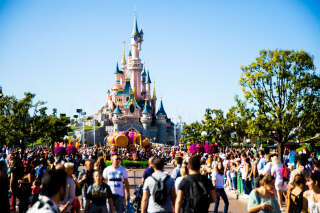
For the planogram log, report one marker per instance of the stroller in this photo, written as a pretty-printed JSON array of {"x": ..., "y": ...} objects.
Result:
[{"x": 138, "y": 197}]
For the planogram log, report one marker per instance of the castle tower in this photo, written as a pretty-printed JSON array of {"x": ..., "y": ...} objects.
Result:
[
  {"x": 135, "y": 65},
  {"x": 162, "y": 124},
  {"x": 146, "y": 119}
]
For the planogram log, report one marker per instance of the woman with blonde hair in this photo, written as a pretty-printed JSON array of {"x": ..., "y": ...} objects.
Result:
[{"x": 99, "y": 165}]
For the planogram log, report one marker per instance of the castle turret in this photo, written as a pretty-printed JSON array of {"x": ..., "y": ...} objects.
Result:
[
  {"x": 118, "y": 74},
  {"x": 136, "y": 39},
  {"x": 146, "y": 119},
  {"x": 162, "y": 124},
  {"x": 143, "y": 75},
  {"x": 148, "y": 82},
  {"x": 154, "y": 100},
  {"x": 117, "y": 119}
]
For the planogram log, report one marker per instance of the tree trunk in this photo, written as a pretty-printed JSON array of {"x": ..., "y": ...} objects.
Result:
[{"x": 280, "y": 146}]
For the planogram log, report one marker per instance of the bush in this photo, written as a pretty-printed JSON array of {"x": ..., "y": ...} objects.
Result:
[{"x": 131, "y": 163}]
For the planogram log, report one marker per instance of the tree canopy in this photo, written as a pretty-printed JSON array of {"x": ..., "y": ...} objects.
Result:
[{"x": 23, "y": 122}]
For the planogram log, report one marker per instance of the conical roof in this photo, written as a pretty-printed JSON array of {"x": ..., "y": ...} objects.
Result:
[
  {"x": 118, "y": 71},
  {"x": 161, "y": 110},
  {"x": 148, "y": 78},
  {"x": 117, "y": 110},
  {"x": 145, "y": 108}
]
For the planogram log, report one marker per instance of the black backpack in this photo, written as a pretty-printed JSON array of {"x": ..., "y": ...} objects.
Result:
[
  {"x": 198, "y": 194},
  {"x": 160, "y": 192}
]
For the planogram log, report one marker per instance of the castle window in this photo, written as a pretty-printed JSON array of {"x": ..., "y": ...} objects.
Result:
[{"x": 131, "y": 108}]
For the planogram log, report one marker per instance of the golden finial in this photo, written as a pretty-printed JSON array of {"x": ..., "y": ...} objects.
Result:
[
  {"x": 123, "y": 62},
  {"x": 154, "y": 97}
]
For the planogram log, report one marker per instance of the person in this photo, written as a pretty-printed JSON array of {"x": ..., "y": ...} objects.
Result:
[
  {"x": 268, "y": 166},
  {"x": 70, "y": 187},
  {"x": 262, "y": 162},
  {"x": 255, "y": 173},
  {"x": 295, "y": 197},
  {"x": 292, "y": 156},
  {"x": 85, "y": 179},
  {"x": 115, "y": 175},
  {"x": 263, "y": 199},
  {"x": 187, "y": 202},
  {"x": 280, "y": 184},
  {"x": 233, "y": 174},
  {"x": 53, "y": 191},
  {"x": 299, "y": 170},
  {"x": 4, "y": 188},
  {"x": 97, "y": 195},
  {"x": 184, "y": 173},
  {"x": 218, "y": 182},
  {"x": 149, "y": 203},
  {"x": 148, "y": 171},
  {"x": 246, "y": 176},
  {"x": 176, "y": 171},
  {"x": 311, "y": 198},
  {"x": 99, "y": 164}
]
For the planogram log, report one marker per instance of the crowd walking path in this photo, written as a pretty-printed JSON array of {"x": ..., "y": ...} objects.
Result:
[{"x": 236, "y": 205}]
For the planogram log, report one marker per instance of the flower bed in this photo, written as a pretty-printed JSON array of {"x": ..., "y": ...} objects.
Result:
[{"x": 131, "y": 163}]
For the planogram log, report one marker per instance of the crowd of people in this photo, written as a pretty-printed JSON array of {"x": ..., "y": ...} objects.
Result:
[{"x": 37, "y": 180}]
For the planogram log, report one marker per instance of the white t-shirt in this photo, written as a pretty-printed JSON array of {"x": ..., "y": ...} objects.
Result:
[
  {"x": 267, "y": 169},
  {"x": 115, "y": 178}
]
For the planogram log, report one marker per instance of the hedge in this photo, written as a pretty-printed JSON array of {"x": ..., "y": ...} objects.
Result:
[{"x": 131, "y": 163}]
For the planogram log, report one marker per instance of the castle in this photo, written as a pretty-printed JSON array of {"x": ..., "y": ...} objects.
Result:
[{"x": 130, "y": 105}]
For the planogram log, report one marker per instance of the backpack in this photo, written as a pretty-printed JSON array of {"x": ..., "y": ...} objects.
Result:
[
  {"x": 285, "y": 172},
  {"x": 160, "y": 192},
  {"x": 198, "y": 194}
]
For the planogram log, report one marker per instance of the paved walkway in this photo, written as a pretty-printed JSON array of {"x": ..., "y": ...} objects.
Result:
[{"x": 235, "y": 205}]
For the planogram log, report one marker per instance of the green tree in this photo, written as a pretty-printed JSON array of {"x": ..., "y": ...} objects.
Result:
[
  {"x": 217, "y": 128},
  {"x": 22, "y": 122},
  {"x": 191, "y": 132},
  {"x": 282, "y": 87}
]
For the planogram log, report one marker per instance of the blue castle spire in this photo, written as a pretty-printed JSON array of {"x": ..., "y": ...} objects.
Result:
[
  {"x": 148, "y": 78},
  {"x": 117, "y": 110},
  {"x": 161, "y": 110},
  {"x": 145, "y": 108}
]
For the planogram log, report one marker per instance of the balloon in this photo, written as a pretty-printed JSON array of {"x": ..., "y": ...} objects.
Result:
[
  {"x": 145, "y": 142},
  {"x": 121, "y": 139},
  {"x": 77, "y": 145}
]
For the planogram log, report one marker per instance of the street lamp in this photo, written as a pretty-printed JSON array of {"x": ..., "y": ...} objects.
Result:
[{"x": 1, "y": 94}]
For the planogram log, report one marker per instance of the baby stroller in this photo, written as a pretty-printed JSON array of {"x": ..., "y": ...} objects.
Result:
[{"x": 138, "y": 197}]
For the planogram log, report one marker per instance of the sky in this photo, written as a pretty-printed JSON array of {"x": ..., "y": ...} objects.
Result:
[{"x": 65, "y": 51}]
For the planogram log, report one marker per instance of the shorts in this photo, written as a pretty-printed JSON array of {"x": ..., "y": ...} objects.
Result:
[{"x": 281, "y": 186}]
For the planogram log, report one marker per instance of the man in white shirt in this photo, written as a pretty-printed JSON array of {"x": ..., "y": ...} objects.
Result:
[{"x": 114, "y": 176}]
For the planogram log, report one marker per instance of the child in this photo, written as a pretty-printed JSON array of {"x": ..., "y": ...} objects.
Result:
[{"x": 35, "y": 190}]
